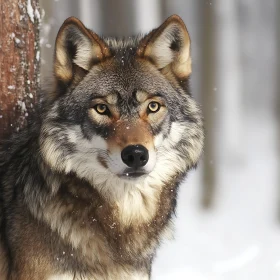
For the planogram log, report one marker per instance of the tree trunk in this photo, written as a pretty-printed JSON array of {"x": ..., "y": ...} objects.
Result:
[
  {"x": 229, "y": 91},
  {"x": 208, "y": 102},
  {"x": 19, "y": 63},
  {"x": 277, "y": 93},
  {"x": 118, "y": 18}
]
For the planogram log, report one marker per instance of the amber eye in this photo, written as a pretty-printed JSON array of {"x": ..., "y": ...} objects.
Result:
[
  {"x": 101, "y": 109},
  {"x": 153, "y": 107}
]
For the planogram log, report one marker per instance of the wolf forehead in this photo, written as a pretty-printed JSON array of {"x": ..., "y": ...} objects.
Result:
[{"x": 126, "y": 81}]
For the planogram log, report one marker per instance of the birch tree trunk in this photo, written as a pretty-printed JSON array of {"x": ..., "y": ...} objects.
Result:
[{"x": 19, "y": 63}]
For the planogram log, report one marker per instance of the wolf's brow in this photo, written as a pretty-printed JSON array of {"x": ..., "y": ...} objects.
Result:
[
  {"x": 110, "y": 98},
  {"x": 142, "y": 96},
  {"x": 159, "y": 94}
]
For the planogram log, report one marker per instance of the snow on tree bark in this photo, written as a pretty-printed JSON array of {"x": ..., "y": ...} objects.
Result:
[{"x": 19, "y": 63}]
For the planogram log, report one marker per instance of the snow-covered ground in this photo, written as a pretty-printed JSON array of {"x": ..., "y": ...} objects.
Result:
[{"x": 239, "y": 239}]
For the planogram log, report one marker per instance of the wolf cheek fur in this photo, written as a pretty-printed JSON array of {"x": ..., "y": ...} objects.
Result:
[{"x": 90, "y": 190}]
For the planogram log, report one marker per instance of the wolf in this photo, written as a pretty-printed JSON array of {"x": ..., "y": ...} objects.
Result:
[{"x": 88, "y": 190}]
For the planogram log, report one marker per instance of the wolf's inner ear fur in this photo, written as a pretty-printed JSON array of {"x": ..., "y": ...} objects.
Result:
[
  {"x": 76, "y": 47},
  {"x": 168, "y": 47}
]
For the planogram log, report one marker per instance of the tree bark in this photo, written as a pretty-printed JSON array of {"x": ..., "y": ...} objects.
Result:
[{"x": 19, "y": 63}]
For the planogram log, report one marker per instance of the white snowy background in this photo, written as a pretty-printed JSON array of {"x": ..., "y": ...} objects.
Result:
[{"x": 238, "y": 237}]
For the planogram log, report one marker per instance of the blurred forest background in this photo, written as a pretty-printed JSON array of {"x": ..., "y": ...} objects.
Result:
[
  {"x": 228, "y": 224},
  {"x": 229, "y": 209}
]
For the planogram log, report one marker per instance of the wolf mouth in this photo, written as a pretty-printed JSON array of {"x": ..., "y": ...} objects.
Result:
[{"x": 132, "y": 173}]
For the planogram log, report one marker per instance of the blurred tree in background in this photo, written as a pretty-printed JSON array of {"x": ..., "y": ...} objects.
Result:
[
  {"x": 208, "y": 103},
  {"x": 277, "y": 93}
]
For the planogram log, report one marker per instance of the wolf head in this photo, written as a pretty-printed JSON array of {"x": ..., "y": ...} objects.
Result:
[{"x": 121, "y": 114}]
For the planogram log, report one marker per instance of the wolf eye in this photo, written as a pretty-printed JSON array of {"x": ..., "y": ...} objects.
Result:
[
  {"x": 101, "y": 109},
  {"x": 153, "y": 107}
]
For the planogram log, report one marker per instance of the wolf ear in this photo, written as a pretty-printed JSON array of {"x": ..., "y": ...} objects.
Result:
[
  {"x": 77, "y": 49},
  {"x": 168, "y": 47}
]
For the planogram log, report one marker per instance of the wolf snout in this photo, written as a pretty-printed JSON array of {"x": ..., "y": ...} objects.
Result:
[{"x": 135, "y": 156}]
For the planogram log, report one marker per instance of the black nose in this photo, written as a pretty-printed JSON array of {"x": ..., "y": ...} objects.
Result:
[{"x": 135, "y": 156}]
